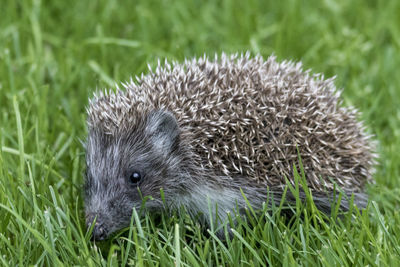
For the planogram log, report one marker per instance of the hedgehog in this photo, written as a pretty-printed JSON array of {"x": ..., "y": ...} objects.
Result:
[{"x": 210, "y": 131}]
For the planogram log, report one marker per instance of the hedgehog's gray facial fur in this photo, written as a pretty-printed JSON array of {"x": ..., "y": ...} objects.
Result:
[{"x": 147, "y": 148}]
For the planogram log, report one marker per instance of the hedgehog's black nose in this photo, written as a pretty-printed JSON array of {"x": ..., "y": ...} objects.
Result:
[{"x": 99, "y": 233}]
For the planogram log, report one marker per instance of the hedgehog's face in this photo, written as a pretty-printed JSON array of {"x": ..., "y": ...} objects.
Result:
[{"x": 122, "y": 168}]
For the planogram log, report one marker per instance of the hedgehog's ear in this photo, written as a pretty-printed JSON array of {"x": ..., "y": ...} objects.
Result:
[{"x": 163, "y": 130}]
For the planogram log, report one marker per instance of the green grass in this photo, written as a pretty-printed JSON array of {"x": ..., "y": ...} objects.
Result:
[{"x": 54, "y": 54}]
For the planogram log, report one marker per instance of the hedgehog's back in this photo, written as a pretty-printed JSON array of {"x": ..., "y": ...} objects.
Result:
[{"x": 246, "y": 117}]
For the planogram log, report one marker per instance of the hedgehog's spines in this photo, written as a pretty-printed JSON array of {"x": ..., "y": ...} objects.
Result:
[{"x": 256, "y": 112}]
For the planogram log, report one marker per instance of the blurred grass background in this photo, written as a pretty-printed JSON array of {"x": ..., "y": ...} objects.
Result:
[{"x": 54, "y": 54}]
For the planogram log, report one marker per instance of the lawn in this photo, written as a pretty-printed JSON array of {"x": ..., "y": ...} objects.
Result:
[{"x": 55, "y": 54}]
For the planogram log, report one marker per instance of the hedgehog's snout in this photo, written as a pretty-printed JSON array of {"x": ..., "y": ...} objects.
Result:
[
  {"x": 99, "y": 233},
  {"x": 100, "y": 230}
]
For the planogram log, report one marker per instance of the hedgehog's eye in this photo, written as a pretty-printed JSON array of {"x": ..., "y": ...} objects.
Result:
[{"x": 135, "y": 177}]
